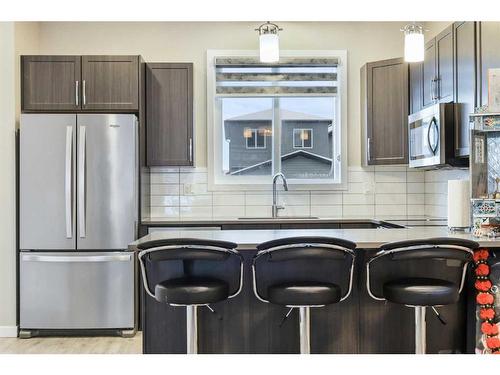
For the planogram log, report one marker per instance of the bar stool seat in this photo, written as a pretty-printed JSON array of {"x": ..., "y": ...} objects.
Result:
[
  {"x": 191, "y": 291},
  {"x": 421, "y": 292},
  {"x": 304, "y": 293}
]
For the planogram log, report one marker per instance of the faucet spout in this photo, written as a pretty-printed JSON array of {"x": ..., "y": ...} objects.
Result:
[{"x": 275, "y": 207}]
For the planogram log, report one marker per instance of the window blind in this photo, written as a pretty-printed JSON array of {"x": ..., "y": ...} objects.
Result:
[{"x": 291, "y": 76}]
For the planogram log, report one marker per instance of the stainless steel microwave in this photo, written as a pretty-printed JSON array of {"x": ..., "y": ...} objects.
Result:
[{"x": 431, "y": 138}]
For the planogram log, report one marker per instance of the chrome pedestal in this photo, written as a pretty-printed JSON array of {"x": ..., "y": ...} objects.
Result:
[
  {"x": 305, "y": 329},
  {"x": 191, "y": 329},
  {"x": 420, "y": 338}
]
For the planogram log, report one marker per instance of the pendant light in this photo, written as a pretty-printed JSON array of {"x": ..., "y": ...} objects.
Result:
[
  {"x": 269, "y": 44},
  {"x": 414, "y": 42}
]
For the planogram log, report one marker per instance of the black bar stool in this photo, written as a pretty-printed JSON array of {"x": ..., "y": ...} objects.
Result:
[
  {"x": 425, "y": 287},
  {"x": 190, "y": 290},
  {"x": 297, "y": 272}
]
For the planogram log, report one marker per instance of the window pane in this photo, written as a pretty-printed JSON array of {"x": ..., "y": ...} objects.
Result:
[
  {"x": 307, "y": 122},
  {"x": 247, "y": 136}
]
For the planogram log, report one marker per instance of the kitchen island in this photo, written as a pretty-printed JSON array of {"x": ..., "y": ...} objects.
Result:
[{"x": 357, "y": 325}]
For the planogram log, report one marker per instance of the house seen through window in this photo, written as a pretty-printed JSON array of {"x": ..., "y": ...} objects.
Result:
[{"x": 277, "y": 119}]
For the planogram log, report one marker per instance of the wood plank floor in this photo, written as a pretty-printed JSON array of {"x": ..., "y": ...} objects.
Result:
[{"x": 72, "y": 345}]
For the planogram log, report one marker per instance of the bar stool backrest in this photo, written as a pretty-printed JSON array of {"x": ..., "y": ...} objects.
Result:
[
  {"x": 431, "y": 258},
  {"x": 162, "y": 260},
  {"x": 295, "y": 259}
]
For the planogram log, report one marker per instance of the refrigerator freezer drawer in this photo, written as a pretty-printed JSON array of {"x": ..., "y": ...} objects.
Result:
[{"x": 76, "y": 290}]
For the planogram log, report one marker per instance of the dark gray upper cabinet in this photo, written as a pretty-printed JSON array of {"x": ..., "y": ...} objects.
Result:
[
  {"x": 110, "y": 83},
  {"x": 415, "y": 77},
  {"x": 80, "y": 83},
  {"x": 465, "y": 83},
  {"x": 488, "y": 52},
  {"x": 50, "y": 83},
  {"x": 429, "y": 74},
  {"x": 169, "y": 114},
  {"x": 444, "y": 65},
  {"x": 384, "y": 90}
]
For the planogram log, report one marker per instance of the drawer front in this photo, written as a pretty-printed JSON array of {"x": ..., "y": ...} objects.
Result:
[{"x": 76, "y": 290}]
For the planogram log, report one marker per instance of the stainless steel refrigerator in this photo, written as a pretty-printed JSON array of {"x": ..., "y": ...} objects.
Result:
[{"x": 78, "y": 213}]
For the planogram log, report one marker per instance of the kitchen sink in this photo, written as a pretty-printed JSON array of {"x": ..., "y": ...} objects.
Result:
[{"x": 279, "y": 218}]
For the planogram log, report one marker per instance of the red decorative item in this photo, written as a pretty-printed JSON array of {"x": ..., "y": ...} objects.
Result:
[
  {"x": 481, "y": 254},
  {"x": 489, "y": 329},
  {"x": 482, "y": 270},
  {"x": 483, "y": 285},
  {"x": 485, "y": 299},
  {"x": 493, "y": 342}
]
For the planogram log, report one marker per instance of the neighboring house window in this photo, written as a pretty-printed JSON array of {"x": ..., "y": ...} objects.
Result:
[
  {"x": 255, "y": 138},
  {"x": 294, "y": 107},
  {"x": 302, "y": 138}
]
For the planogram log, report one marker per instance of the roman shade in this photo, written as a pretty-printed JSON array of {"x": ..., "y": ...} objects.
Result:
[{"x": 244, "y": 76}]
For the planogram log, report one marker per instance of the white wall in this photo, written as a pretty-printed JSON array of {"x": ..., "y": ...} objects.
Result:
[
  {"x": 7, "y": 182},
  {"x": 188, "y": 42}
]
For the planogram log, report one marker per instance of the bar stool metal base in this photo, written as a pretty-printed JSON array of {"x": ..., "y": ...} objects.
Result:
[
  {"x": 305, "y": 329},
  {"x": 192, "y": 329},
  {"x": 420, "y": 330}
]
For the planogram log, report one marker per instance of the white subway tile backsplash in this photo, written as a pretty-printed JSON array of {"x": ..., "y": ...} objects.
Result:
[
  {"x": 390, "y": 176},
  {"x": 164, "y": 200},
  {"x": 319, "y": 199},
  {"x": 165, "y": 189},
  {"x": 333, "y": 211},
  {"x": 399, "y": 199},
  {"x": 193, "y": 212},
  {"x": 164, "y": 178},
  {"x": 390, "y": 188},
  {"x": 229, "y": 199},
  {"x": 196, "y": 200},
  {"x": 228, "y": 211},
  {"x": 376, "y": 191}
]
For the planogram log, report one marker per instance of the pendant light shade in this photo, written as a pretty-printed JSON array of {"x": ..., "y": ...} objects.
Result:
[
  {"x": 414, "y": 43},
  {"x": 269, "y": 44}
]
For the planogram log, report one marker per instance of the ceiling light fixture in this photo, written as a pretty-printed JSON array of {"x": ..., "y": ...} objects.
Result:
[
  {"x": 269, "y": 44},
  {"x": 414, "y": 42}
]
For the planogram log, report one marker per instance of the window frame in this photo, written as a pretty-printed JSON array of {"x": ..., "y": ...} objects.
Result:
[
  {"x": 302, "y": 140},
  {"x": 217, "y": 181},
  {"x": 254, "y": 135}
]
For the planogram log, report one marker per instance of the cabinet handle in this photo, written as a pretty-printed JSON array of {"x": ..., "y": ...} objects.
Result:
[
  {"x": 432, "y": 90},
  {"x": 191, "y": 150},
  {"x": 368, "y": 149},
  {"x": 436, "y": 88},
  {"x": 84, "y": 93},
  {"x": 77, "y": 99}
]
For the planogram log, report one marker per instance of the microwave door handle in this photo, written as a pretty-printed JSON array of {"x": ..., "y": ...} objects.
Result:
[
  {"x": 434, "y": 123},
  {"x": 431, "y": 124}
]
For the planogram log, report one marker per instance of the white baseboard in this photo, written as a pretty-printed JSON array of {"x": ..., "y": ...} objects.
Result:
[{"x": 8, "y": 331}]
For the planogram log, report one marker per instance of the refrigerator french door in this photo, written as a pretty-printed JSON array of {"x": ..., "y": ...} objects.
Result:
[{"x": 78, "y": 213}]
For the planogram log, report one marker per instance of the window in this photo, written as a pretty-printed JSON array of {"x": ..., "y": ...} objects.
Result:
[
  {"x": 269, "y": 118},
  {"x": 256, "y": 138},
  {"x": 302, "y": 138}
]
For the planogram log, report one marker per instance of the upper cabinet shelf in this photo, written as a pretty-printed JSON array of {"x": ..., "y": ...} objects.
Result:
[{"x": 80, "y": 83}]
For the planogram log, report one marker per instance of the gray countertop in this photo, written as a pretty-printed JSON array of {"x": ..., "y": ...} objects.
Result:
[{"x": 364, "y": 238}]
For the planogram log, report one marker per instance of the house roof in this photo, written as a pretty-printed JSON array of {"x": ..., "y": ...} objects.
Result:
[
  {"x": 284, "y": 115},
  {"x": 290, "y": 155}
]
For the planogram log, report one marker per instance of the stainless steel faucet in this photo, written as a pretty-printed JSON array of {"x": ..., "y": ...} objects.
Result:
[{"x": 275, "y": 193}]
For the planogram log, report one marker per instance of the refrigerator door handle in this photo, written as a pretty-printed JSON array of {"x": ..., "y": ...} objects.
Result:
[
  {"x": 68, "y": 181},
  {"x": 76, "y": 259},
  {"x": 81, "y": 181}
]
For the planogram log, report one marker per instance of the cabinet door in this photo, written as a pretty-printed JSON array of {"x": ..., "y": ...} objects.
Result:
[
  {"x": 465, "y": 80},
  {"x": 50, "y": 83},
  {"x": 110, "y": 83},
  {"x": 429, "y": 73},
  {"x": 444, "y": 64},
  {"x": 489, "y": 56},
  {"x": 387, "y": 112},
  {"x": 169, "y": 114},
  {"x": 415, "y": 81}
]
